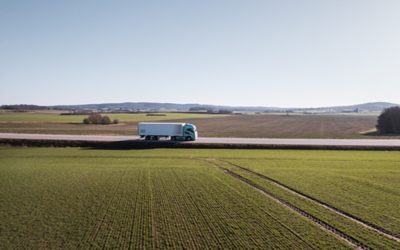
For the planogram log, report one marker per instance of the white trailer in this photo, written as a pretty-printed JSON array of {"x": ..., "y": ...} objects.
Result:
[{"x": 174, "y": 131}]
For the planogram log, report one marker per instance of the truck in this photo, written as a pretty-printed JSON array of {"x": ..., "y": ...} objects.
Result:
[{"x": 173, "y": 131}]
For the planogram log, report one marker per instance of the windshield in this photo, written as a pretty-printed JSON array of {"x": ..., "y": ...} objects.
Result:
[{"x": 190, "y": 127}]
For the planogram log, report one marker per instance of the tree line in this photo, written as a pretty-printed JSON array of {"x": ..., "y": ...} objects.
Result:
[
  {"x": 389, "y": 121},
  {"x": 99, "y": 119}
]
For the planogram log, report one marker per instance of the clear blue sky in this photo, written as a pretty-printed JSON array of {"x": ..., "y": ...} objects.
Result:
[{"x": 268, "y": 53}]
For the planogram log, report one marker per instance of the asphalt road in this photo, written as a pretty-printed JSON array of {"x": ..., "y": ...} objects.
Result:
[{"x": 215, "y": 140}]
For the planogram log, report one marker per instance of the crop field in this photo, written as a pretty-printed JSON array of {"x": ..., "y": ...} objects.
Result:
[
  {"x": 209, "y": 125},
  {"x": 57, "y": 118},
  {"x": 54, "y": 123},
  {"x": 292, "y": 126},
  {"x": 365, "y": 190},
  {"x": 72, "y": 198}
]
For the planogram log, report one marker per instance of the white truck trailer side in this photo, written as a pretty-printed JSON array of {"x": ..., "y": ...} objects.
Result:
[{"x": 174, "y": 131}]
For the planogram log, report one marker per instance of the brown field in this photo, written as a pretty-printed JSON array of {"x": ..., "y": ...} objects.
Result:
[
  {"x": 252, "y": 126},
  {"x": 282, "y": 126}
]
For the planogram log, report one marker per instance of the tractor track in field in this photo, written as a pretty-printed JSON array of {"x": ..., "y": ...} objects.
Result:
[
  {"x": 296, "y": 234},
  {"x": 322, "y": 224},
  {"x": 321, "y": 203}
]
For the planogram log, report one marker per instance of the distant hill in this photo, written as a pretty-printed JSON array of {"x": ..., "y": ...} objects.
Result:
[
  {"x": 364, "y": 107},
  {"x": 372, "y": 106},
  {"x": 23, "y": 107},
  {"x": 129, "y": 106},
  {"x": 156, "y": 106}
]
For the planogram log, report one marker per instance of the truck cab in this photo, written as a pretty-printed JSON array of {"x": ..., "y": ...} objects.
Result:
[{"x": 189, "y": 132}]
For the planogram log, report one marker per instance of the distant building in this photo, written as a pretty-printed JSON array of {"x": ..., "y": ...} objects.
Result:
[{"x": 356, "y": 110}]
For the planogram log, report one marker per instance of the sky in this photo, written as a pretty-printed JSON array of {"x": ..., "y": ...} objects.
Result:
[{"x": 300, "y": 53}]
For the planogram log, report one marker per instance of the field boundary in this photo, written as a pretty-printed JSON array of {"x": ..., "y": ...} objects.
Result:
[
  {"x": 321, "y": 203},
  {"x": 135, "y": 144},
  {"x": 322, "y": 224}
]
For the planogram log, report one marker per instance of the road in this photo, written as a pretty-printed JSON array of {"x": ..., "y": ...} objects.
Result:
[{"x": 215, "y": 140}]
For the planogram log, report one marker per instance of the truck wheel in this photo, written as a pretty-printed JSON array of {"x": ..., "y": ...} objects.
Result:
[
  {"x": 155, "y": 138},
  {"x": 188, "y": 138},
  {"x": 147, "y": 138},
  {"x": 173, "y": 138}
]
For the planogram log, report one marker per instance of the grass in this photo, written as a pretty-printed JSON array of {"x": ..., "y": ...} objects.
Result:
[
  {"x": 79, "y": 198},
  {"x": 174, "y": 198}
]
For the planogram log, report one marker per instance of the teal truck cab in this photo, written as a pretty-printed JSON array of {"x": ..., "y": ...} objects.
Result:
[{"x": 189, "y": 133}]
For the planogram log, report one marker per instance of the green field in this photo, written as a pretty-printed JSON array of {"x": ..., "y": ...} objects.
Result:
[
  {"x": 28, "y": 117},
  {"x": 365, "y": 190},
  {"x": 175, "y": 198}
]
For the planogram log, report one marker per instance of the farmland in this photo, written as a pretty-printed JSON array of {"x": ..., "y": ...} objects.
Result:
[
  {"x": 292, "y": 126},
  {"x": 177, "y": 198},
  {"x": 38, "y": 117},
  {"x": 365, "y": 190},
  {"x": 209, "y": 125},
  {"x": 54, "y": 123}
]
